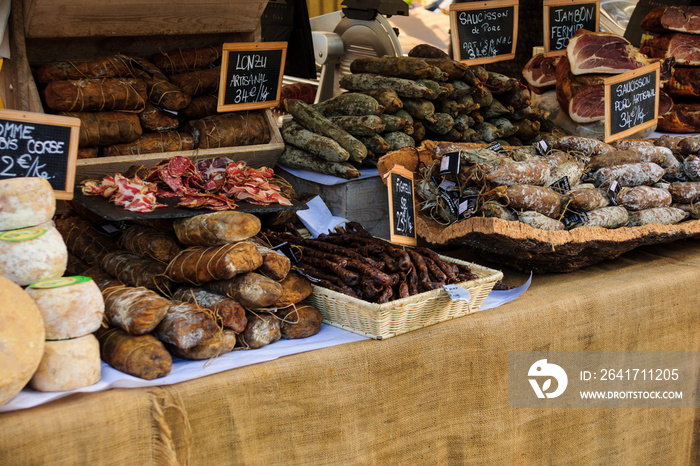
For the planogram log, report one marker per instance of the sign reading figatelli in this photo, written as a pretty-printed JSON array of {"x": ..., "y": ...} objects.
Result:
[
  {"x": 402, "y": 216},
  {"x": 484, "y": 32},
  {"x": 251, "y": 75},
  {"x": 39, "y": 145}
]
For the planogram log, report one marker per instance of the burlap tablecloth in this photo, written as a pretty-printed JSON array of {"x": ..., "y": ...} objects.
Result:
[{"x": 435, "y": 396}]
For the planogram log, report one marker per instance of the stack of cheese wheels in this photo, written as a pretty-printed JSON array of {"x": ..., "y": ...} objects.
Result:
[
  {"x": 31, "y": 248},
  {"x": 21, "y": 339},
  {"x": 32, "y": 252},
  {"x": 72, "y": 308}
]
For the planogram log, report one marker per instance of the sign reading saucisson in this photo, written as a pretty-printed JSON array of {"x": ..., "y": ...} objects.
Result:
[
  {"x": 484, "y": 32},
  {"x": 251, "y": 75},
  {"x": 631, "y": 102},
  {"x": 39, "y": 145}
]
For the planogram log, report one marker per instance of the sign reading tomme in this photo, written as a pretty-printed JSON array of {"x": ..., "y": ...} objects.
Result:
[
  {"x": 39, "y": 145},
  {"x": 562, "y": 18},
  {"x": 484, "y": 32},
  {"x": 251, "y": 75},
  {"x": 631, "y": 102}
]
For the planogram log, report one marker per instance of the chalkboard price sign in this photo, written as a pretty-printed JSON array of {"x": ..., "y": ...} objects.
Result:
[
  {"x": 631, "y": 102},
  {"x": 402, "y": 219},
  {"x": 39, "y": 145},
  {"x": 562, "y": 18},
  {"x": 251, "y": 75},
  {"x": 484, "y": 32}
]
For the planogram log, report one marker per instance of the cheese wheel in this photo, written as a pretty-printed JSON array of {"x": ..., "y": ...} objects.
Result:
[
  {"x": 32, "y": 254},
  {"x": 68, "y": 364},
  {"x": 71, "y": 306},
  {"x": 25, "y": 202},
  {"x": 21, "y": 339}
]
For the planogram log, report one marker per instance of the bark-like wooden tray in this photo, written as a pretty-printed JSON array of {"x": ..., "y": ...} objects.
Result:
[{"x": 525, "y": 248}]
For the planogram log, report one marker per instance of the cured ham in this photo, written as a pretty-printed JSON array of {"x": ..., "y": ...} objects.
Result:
[
  {"x": 540, "y": 73},
  {"x": 133, "y": 194},
  {"x": 685, "y": 48},
  {"x": 582, "y": 97},
  {"x": 602, "y": 52},
  {"x": 673, "y": 18},
  {"x": 684, "y": 117},
  {"x": 685, "y": 82}
]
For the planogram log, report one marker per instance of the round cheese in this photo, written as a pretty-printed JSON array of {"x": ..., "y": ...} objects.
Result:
[
  {"x": 25, "y": 202},
  {"x": 68, "y": 364},
  {"x": 21, "y": 339},
  {"x": 32, "y": 254},
  {"x": 71, "y": 306}
]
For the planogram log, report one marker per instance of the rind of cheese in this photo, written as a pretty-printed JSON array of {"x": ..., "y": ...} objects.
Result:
[
  {"x": 68, "y": 364},
  {"x": 21, "y": 339},
  {"x": 25, "y": 202},
  {"x": 31, "y": 260},
  {"x": 69, "y": 311}
]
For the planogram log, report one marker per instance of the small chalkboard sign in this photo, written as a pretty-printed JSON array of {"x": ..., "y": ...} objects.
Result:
[
  {"x": 251, "y": 75},
  {"x": 631, "y": 102},
  {"x": 484, "y": 32},
  {"x": 402, "y": 216},
  {"x": 562, "y": 18},
  {"x": 39, "y": 145}
]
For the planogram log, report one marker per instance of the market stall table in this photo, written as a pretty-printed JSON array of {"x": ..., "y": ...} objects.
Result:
[{"x": 436, "y": 395}]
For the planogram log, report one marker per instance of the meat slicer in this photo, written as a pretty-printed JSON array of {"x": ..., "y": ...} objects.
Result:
[{"x": 360, "y": 29}]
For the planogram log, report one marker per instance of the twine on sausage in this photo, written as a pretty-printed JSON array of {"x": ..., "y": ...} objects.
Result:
[{"x": 177, "y": 265}]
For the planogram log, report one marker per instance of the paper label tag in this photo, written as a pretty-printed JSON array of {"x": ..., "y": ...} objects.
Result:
[
  {"x": 457, "y": 293},
  {"x": 286, "y": 249},
  {"x": 449, "y": 165},
  {"x": 23, "y": 234},
  {"x": 59, "y": 282},
  {"x": 561, "y": 185},
  {"x": 543, "y": 146},
  {"x": 496, "y": 147},
  {"x": 613, "y": 191},
  {"x": 572, "y": 219},
  {"x": 109, "y": 228},
  {"x": 450, "y": 200},
  {"x": 467, "y": 206}
]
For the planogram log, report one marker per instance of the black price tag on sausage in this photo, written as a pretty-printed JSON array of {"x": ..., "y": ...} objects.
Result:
[
  {"x": 251, "y": 75},
  {"x": 451, "y": 200},
  {"x": 613, "y": 191},
  {"x": 402, "y": 215},
  {"x": 110, "y": 228},
  {"x": 38, "y": 145},
  {"x": 543, "y": 146},
  {"x": 286, "y": 249},
  {"x": 484, "y": 32},
  {"x": 561, "y": 185},
  {"x": 496, "y": 147},
  {"x": 573, "y": 219},
  {"x": 449, "y": 164},
  {"x": 467, "y": 206},
  {"x": 562, "y": 18},
  {"x": 631, "y": 102}
]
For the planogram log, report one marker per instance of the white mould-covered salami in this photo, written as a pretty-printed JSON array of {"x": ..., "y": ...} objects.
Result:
[
  {"x": 32, "y": 254},
  {"x": 631, "y": 174},
  {"x": 68, "y": 364},
  {"x": 643, "y": 197},
  {"x": 21, "y": 339},
  {"x": 25, "y": 202},
  {"x": 71, "y": 306},
  {"x": 662, "y": 215}
]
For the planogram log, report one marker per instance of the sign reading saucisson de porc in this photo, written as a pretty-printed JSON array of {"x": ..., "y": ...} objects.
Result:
[
  {"x": 484, "y": 32},
  {"x": 402, "y": 216},
  {"x": 631, "y": 101},
  {"x": 251, "y": 75},
  {"x": 39, "y": 145},
  {"x": 562, "y": 18}
]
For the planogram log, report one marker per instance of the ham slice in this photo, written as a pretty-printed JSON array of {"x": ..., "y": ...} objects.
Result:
[
  {"x": 602, "y": 52},
  {"x": 685, "y": 82},
  {"x": 582, "y": 97},
  {"x": 685, "y": 48},
  {"x": 684, "y": 117},
  {"x": 540, "y": 73},
  {"x": 673, "y": 18}
]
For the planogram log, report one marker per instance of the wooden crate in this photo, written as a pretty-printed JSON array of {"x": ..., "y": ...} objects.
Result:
[
  {"x": 44, "y": 31},
  {"x": 363, "y": 200}
]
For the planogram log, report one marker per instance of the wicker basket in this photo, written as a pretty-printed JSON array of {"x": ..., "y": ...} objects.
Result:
[{"x": 381, "y": 321}]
